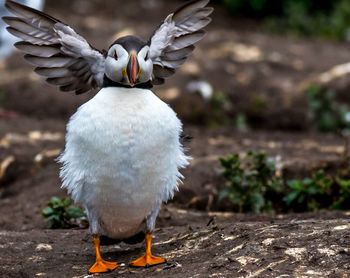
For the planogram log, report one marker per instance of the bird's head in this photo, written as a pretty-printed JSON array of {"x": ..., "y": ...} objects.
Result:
[{"x": 128, "y": 62}]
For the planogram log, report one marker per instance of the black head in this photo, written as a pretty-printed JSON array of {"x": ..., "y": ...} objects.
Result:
[
  {"x": 128, "y": 63},
  {"x": 130, "y": 43}
]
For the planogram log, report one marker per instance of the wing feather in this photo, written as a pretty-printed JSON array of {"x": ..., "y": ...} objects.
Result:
[
  {"x": 189, "y": 9},
  {"x": 177, "y": 54},
  {"x": 163, "y": 72},
  {"x": 174, "y": 40},
  {"x": 40, "y": 51},
  {"x": 59, "y": 81},
  {"x": 58, "y": 52},
  {"x": 186, "y": 40},
  {"x": 53, "y": 72}
]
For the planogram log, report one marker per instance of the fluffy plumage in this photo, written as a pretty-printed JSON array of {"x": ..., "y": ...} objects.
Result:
[{"x": 122, "y": 158}]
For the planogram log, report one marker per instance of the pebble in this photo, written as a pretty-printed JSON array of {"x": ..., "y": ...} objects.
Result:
[{"x": 43, "y": 247}]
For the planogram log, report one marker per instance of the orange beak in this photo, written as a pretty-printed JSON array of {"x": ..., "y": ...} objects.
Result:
[{"x": 133, "y": 69}]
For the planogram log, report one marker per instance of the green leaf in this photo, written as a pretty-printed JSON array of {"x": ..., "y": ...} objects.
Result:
[
  {"x": 291, "y": 197},
  {"x": 67, "y": 202},
  {"x": 47, "y": 211},
  {"x": 75, "y": 212},
  {"x": 55, "y": 200}
]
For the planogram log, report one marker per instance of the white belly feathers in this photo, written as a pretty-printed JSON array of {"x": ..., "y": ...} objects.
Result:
[{"x": 122, "y": 158}]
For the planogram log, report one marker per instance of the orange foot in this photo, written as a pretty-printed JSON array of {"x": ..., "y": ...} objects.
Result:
[
  {"x": 101, "y": 266},
  {"x": 147, "y": 260}
]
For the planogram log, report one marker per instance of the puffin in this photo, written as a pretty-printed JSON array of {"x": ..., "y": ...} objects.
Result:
[{"x": 123, "y": 149}]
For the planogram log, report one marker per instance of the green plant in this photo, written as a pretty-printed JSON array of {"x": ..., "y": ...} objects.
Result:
[
  {"x": 342, "y": 201},
  {"x": 310, "y": 194},
  {"x": 60, "y": 213},
  {"x": 325, "y": 111},
  {"x": 329, "y": 19},
  {"x": 319, "y": 192},
  {"x": 251, "y": 182},
  {"x": 253, "y": 186}
]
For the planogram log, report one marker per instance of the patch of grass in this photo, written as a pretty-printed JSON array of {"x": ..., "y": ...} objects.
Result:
[
  {"x": 327, "y": 114},
  {"x": 252, "y": 185},
  {"x": 61, "y": 213}
]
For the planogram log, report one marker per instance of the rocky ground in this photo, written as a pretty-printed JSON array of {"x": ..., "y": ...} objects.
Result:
[{"x": 196, "y": 245}]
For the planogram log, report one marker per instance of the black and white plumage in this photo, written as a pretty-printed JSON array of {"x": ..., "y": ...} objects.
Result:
[
  {"x": 58, "y": 52},
  {"x": 70, "y": 62},
  {"x": 123, "y": 148}
]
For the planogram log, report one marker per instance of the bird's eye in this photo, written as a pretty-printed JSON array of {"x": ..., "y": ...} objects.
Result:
[{"x": 115, "y": 55}]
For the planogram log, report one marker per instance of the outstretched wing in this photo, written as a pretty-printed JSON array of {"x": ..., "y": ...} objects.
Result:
[
  {"x": 57, "y": 51},
  {"x": 175, "y": 38}
]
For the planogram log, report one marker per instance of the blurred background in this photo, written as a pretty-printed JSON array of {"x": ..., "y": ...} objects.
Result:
[{"x": 265, "y": 97}]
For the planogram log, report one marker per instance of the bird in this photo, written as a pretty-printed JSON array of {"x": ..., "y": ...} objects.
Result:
[{"x": 123, "y": 150}]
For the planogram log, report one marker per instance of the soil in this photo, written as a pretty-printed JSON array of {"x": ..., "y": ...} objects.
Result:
[
  {"x": 198, "y": 241},
  {"x": 196, "y": 245}
]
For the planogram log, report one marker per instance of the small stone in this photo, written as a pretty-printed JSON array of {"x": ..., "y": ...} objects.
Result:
[{"x": 43, "y": 247}]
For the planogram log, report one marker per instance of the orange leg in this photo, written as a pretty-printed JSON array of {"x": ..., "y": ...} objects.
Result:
[
  {"x": 148, "y": 259},
  {"x": 101, "y": 265}
]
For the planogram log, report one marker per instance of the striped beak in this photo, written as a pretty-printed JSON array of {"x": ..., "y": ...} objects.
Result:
[{"x": 133, "y": 69}]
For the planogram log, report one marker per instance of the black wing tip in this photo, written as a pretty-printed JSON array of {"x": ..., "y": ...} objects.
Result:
[
  {"x": 7, "y": 18},
  {"x": 11, "y": 30},
  {"x": 38, "y": 70},
  {"x": 21, "y": 43},
  {"x": 4, "y": 18},
  {"x": 9, "y": 4},
  {"x": 12, "y": 20}
]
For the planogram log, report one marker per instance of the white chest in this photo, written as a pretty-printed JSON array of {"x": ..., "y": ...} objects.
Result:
[{"x": 122, "y": 154}]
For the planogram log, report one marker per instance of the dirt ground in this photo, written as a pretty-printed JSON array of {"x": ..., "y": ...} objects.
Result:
[
  {"x": 235, "y": 58},
  {"x": 196, "y": 245}
]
